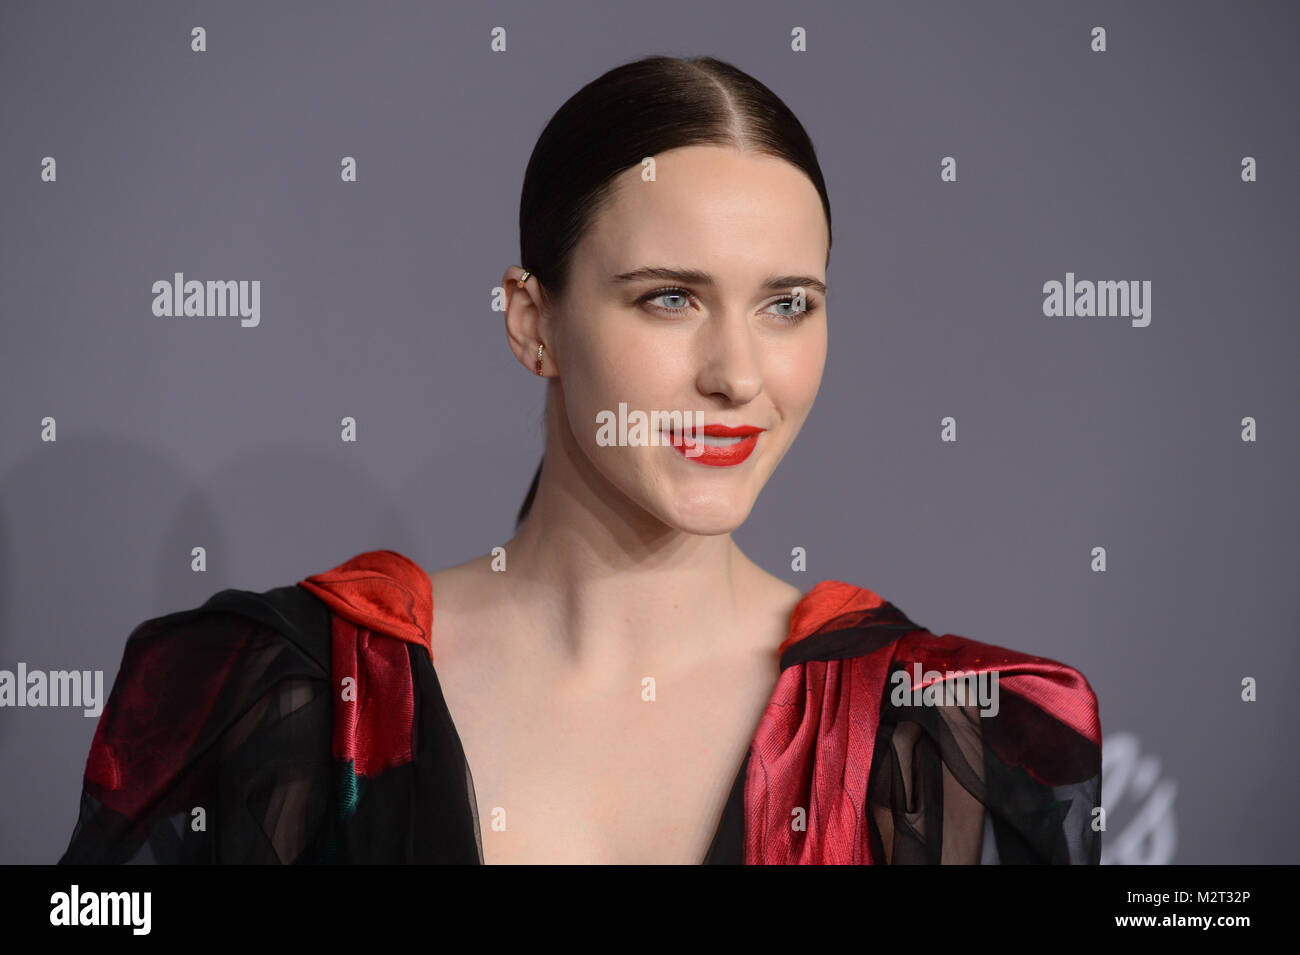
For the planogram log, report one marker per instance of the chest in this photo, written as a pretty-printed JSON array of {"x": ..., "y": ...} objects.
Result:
[{"x": 637, "y": 772}]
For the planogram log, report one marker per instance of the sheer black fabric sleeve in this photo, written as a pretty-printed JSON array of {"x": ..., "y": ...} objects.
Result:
[
  {"x": 949, "y": 785},
  {"x": 213, "y": 747}
]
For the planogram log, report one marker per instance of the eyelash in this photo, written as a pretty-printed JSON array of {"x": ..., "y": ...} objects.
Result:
[{"x": 810, "y": 304}]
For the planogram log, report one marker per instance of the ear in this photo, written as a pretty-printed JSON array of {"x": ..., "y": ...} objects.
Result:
[{"x": 526, "y": 321}]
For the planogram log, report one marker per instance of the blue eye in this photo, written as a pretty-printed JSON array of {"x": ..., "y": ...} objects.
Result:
[
  {"x": 678, "y": 293},
  {"x": 798, "y": 313},
  {"x": 788, "y": 318}
]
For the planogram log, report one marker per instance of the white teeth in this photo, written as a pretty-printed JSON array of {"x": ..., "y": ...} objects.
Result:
[{"x": 716, "y": 442}]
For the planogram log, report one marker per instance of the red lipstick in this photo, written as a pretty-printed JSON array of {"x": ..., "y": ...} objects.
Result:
[{"x": 717, "y": 455}]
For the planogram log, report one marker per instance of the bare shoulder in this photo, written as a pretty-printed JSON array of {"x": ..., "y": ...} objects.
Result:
[
  {"x": 769, "y": 586},
  {"x": 460, "y": 605},
  {"x": 773, "y": 601}
]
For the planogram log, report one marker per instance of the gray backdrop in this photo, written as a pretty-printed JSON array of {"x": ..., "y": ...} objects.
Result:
[{"x": 1072, "y": 433}]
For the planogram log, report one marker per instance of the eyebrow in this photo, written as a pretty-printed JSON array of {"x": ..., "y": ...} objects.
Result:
[{"x": 696, "y": 277}]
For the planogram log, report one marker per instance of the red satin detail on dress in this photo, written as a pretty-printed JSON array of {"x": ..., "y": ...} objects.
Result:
[
  {"x": 375, "y": 596},
  {"x": 373, "y": 715},
  {"x": 380, "y": 590},
  {"x": 827, "y": 601},
  {"x": 812, "y": 752},
  {"x": 812, "y": 749},
  {"x": 1059, "y": 689}
]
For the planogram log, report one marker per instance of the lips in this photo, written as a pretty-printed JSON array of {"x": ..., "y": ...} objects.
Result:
[{"x": 717, "y": 452}]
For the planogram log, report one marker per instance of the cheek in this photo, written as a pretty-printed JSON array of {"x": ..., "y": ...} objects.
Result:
[
  {"x": 601, "y": 370},
  {"x": 627, "y": 362},
  {"x": 794, "y": 374}
]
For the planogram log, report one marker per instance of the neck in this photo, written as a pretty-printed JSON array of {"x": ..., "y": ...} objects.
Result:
[{"x": 612, "y": 592}]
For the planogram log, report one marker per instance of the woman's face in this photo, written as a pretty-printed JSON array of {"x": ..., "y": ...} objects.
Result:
[{"x": 729, "y": 341}]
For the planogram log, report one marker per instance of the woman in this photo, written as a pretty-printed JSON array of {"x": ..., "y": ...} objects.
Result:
[{"x": 626, "y": 685}]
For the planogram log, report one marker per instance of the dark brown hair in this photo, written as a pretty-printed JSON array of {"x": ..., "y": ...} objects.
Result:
[{"x": 640, "y": 109}]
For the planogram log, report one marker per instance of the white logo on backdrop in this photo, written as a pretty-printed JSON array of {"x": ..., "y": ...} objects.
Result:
[{"x": 1140, "y": 824}]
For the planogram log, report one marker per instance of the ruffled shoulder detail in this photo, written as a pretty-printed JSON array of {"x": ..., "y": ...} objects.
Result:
[
  {"x": 1056, "y": 688},
  {"x": 380, "y": 590},
  {"x": 885, "y": 742}
]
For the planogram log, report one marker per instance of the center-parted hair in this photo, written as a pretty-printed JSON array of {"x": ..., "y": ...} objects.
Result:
[{"x": 633, "y": 111}]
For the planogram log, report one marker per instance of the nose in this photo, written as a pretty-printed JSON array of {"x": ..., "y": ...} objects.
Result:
[{"x": 730, "y": 365}]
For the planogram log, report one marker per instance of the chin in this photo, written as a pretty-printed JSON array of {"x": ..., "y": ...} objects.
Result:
[{"x": 706, "y": 521}]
